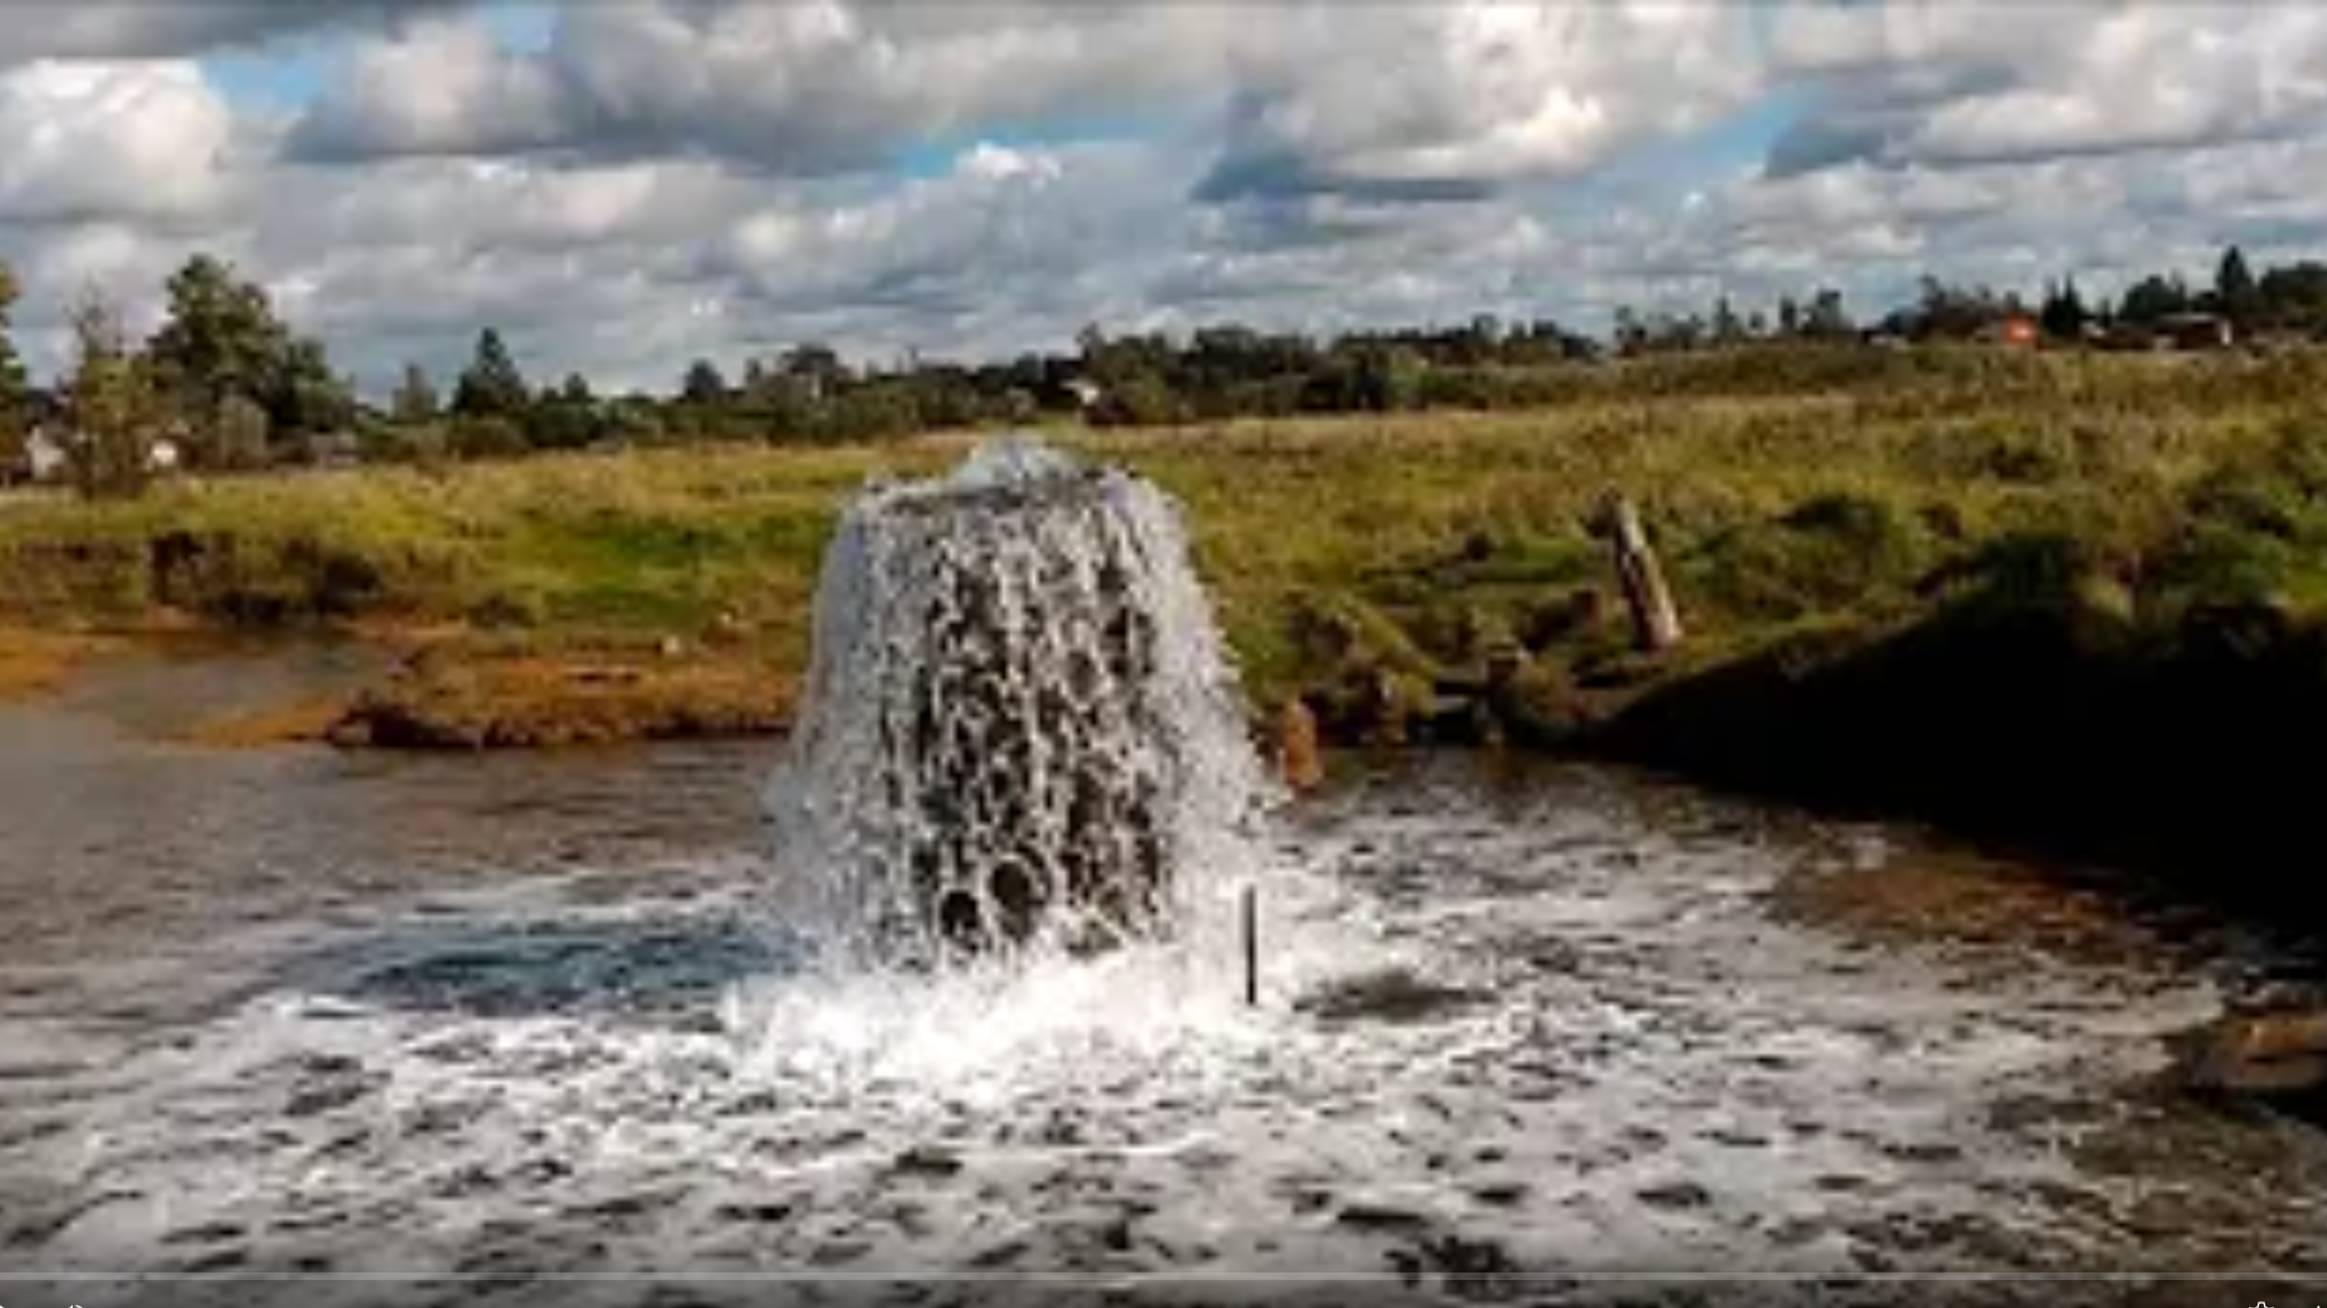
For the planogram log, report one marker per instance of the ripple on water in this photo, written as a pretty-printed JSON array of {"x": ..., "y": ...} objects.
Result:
[{"x": 1500, "y": 1039}]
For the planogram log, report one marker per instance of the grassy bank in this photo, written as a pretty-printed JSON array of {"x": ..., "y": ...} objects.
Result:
[{"x": 1898, "y": 524}]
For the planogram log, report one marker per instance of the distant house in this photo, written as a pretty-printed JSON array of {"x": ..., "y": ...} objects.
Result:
[
  {"x": 2197, "y": 331},
  {"x": 2133, "y": 336},
  {"x": 337, "y": 449},
  {"x": 48, "y": 455},
  {"x": 45, "y": 456},
  {"x": 2174, "y": 331},
  {"x": 1086, "y": 392},
  {"x": 42, "y": 456},
  {"x": 2018, "y": 330}
]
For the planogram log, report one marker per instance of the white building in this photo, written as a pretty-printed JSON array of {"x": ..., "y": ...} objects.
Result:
[
  {"x": 44, "y": 455},
  {"x": 47, "y": 458}
]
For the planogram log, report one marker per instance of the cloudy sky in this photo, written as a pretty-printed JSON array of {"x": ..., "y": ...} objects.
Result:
[{"x": 622, "y": 185}]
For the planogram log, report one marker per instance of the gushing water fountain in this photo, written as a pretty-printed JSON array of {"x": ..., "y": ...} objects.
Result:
[{"x": 1019, "y": 730}]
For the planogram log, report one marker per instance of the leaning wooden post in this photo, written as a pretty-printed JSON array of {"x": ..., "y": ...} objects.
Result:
[{"x": 1655, "y": 624}]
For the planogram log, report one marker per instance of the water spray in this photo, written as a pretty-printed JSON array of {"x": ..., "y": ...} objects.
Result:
[{"x": 1020, "y": 731}]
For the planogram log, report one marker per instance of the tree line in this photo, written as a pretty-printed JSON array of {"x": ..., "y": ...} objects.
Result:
[
  {"x": 223, "y": 379},
  {"x": 233, "y": 387},
  {"x": 2289, "y": 299}
]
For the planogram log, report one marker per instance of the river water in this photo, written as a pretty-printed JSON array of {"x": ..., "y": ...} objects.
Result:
[{"x": 300, "y": 1026}]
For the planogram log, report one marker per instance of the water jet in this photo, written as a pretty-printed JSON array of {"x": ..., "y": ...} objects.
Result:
[{"x": 1019, "y": 730}]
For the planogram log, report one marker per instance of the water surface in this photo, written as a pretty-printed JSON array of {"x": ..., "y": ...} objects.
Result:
[{"x": 421, "y": 1028}]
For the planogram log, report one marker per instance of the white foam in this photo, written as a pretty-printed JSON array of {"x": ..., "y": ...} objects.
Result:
[{"x": 1019, "y": 725}]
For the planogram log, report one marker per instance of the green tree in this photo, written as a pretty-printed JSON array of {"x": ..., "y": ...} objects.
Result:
[
  {"x": 2235, "y": 289},
  {"x": 241, "y": 431},
  {"x": 1954, "y": 312},
  {"x": 491, "y": 386},
  {"x": 220, "y": 339},
  {"x": 1139, "y": 399},
  {"x": 487, "y": 437},
  {"x": 2153, "y": 297},
  {"x": 415, "y": 398},
  {"x": 12, "y": 382},
  {"x": 115, "y": 402},
  {"x": 307, "y": 399},
  {"x": 1827, "y": 320},
  {"x": 220, "y": 332},
  {"x": 566, "y": 418},
  {"x": 2064, "y": 314},
  {"x": 1631, "y": 335},
  {"x": 2295, "y": 295},
  {"x": 703, "y": 384},
  {"x": 1727, "y": 326},
  {"x": 1383, "y": 379},
  {"x": 817, "y": 367}
]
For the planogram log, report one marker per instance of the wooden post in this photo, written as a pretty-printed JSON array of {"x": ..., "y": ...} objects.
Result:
[
  {"x": 1249, "y": 915},
  {"x": 1655, "y": 624},
  {"x": 1299, "y": 765}
]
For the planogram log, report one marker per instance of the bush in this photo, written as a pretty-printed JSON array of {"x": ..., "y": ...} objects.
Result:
[
  {"x": 1139, "y": 400},
  {"x": 487, "y": 438},
  {"x": 1832, "y": 551}
]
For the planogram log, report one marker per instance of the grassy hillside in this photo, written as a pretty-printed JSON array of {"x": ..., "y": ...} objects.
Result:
[{"x": 1791, "y": 491}]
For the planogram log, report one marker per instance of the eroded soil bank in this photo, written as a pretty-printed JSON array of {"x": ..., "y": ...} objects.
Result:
[{"x": 410, "y": 688}]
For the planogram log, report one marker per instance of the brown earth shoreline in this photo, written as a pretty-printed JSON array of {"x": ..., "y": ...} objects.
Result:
[
  {"x": 39, "y": 662},
  {"x": 448, "y": 697},
  {"x": 447, "y": 688}
]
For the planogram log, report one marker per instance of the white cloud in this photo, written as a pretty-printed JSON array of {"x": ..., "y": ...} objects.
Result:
[
  {"x": 994, "y": 163},
  {"x": 799, "y": 88},
  {"x": 672, "y": 178},
  {"x": 1913, "y": 82},
  {"x": 1447, "y": 95},
  {"x": 1450, "y": 99},
  {"x": 110, "y": 139},
  {"x": 157, "y": 29},
  {"x": 440, "y": 85}
]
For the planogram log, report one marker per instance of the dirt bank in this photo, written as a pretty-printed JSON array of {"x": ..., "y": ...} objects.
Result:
[
  {"x": 415, "y": 687},
  {"x": 36, "y": 662},
  {"x": 307, "y": 719},
  {"x": 459, "y": 696},
  {"x": 2173, "y": 747}
]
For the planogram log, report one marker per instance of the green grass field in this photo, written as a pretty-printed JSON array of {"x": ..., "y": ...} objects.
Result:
[{"x": 1787, "y": 489}]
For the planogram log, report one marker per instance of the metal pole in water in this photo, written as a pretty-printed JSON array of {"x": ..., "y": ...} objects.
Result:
[{"x": 1250, "y": 917}]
